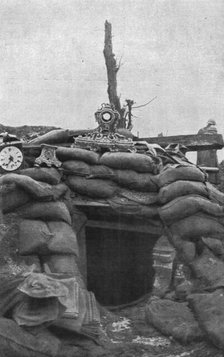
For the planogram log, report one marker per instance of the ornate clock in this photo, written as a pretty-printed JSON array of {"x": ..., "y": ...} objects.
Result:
[{"x": 11, "y": 157}]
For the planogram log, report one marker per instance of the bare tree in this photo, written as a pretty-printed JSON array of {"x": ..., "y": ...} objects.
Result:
[{"x": 112, "y": 69}]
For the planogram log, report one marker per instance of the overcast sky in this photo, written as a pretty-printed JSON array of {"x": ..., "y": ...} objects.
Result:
[{"x": 53, "y": 73}]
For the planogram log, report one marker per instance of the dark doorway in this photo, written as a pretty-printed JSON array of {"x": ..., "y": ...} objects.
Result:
[{"x": 119, "y": 264}]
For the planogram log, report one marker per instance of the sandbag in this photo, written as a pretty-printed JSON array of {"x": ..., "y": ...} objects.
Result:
[
  {"x": 76, "y": 167},
  {"x": 34, "y": 236},
  {"x": 186, "y": 250},
  {"x": 74, "y": 325},
  {"x": 174, "y": 319},
  {"x": 9, "y": 294},
  {"x": 215, "y": 245},
  {"x": 59, "y": 263},
  {"x": 181, "y": 188},
  {"x": 16, "y": 342},
  {"x": 56, "y": 136},
  {"x": 93, "y": 188},
  {"x": 62, "y": 264},
  {"x": 59, "y": 190},
  {"x": 144, "y": 198},
  {"x": 33, "y": 262},
  {"x": 185, "y": 206},
  {"x": 102, "y": 171},
  {"x": 178, "y": 172},
  {"x": 38, "y": 237},
  {"x": 80, "y": 168},
  {"x": 128, "y": 208},
  {"x": 34, "y": 312},
  {"x": 209, "y": 311},
  {"x": 130, "y": 161},
  {"x": 49, "y": 175},
  {"x": 209, "y": 270},
  {"x": 12, "y": 198},
  {"x": 63, "y": 240},
  {"x": 199, "y": 225},
  {"x": 55, "y": 191},
  {"x": 214, "y": 194},
  {"x": 51, "y": 211},
  {"x": 90, "y": 157},
  {"x": 136, "y": 181},
  {"x": 29, "y": 185}
]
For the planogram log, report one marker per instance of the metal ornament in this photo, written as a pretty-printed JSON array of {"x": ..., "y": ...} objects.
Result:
[
  {"x": 105, "y": 136},
  {"x": 48, "y": 156}
]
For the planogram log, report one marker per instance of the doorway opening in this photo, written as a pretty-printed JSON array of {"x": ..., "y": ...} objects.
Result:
[{"x": 119, "y": 264}]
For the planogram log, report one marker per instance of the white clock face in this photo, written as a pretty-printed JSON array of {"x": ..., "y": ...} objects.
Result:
[{"x": 11, "y": 158}]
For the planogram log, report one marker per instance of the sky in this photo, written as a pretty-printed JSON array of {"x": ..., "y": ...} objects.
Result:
[{"x": 53, "y": 71}]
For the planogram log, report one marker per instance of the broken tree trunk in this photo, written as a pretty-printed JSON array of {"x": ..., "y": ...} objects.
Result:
[{"x": 112, "y": 69}]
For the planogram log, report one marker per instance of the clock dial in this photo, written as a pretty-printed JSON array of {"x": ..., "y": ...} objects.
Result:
[{"x": 11, "y": 158}]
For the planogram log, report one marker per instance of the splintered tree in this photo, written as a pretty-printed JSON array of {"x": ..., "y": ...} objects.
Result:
[{"x": 112, "y": 70}]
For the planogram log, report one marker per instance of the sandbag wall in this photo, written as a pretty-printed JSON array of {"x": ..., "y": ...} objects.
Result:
[
  {"x": 191, "y": 209},
  {"x": 127, "y": 183},
  {"x": 41, "y": 240},
  {"x": 134, "y": 185},
  {"x": 193, "y": 216},
  {"x": 111, "y": 176}
]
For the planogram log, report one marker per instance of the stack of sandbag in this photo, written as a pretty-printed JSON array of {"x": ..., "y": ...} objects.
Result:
[
  {"x": 112, "y": 174},
  {"x": 45, "y": 232},
  {"x": 191, "y": 209},
  {"x": 188, "y": 208},
  {"x": 46, "y": 238},
  {"x": 30, "y": 190}
]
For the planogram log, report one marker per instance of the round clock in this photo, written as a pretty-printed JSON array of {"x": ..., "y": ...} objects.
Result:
[{"x": 11, "y": 158}]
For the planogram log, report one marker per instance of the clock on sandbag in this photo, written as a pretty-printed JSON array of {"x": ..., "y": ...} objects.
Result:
[{"x": 11, "y": 153}]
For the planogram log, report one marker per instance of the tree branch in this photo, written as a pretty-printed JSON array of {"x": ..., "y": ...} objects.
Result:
[{"x": 144, "y": 105}]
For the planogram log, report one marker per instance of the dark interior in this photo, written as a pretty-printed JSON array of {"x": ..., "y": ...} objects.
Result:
[{"x": 119, "y": 264}]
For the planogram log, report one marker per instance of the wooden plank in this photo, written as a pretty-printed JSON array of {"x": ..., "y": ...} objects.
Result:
[
  {"x": 210, "y": 169},
  {"x": 192, "y": 142},
  {"x": 142, "y": 228}
]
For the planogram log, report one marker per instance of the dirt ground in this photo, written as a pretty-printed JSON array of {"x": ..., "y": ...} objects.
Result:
[{"x": 125, "y": 333}]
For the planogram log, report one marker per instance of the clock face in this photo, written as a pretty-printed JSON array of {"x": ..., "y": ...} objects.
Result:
[{"x": 11, "y": 158}]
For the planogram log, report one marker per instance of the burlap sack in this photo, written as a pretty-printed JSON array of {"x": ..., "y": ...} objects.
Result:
[
  {"x": 87, "y": 156},
  {"x": 13, "y": 197},
  {"x": 173, "y": 173},
  {"x": 199, "y": 225},
  {"x": 136, "y": 181},
  {"x": 95, "y": 188},
  {"x": 185, "y": 206},
  {"x": 38, "y": 237},
  {"x": 129, "y": 161},
  {"x": 56, "y": 136},
  {"x": 63, "y": 240},
  {"x": 181, "y": 188},
  {"x": 47, "y": 211},
  {"x": 34, "y": 236},
  {"x": 16, "y": 342},
  {"x": 49, "y": 175}
]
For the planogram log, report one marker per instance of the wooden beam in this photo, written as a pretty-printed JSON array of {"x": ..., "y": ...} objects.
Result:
[
  {"x": 141, "y": 228},
  {"x": 192, "y": 142},
  {"x": 210, "y": 169}
]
